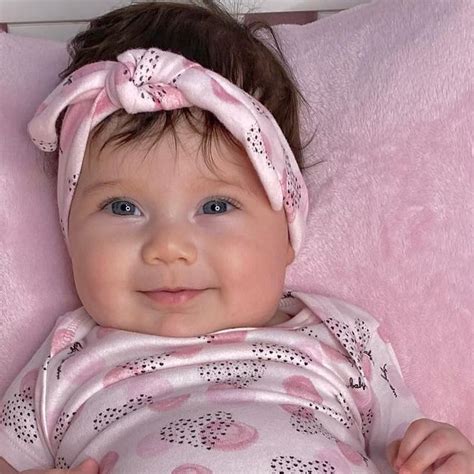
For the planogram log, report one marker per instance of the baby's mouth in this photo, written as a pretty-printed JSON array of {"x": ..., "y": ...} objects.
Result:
[{"x": 173, "y": 296}]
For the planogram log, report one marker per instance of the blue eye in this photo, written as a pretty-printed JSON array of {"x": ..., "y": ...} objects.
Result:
[
  {"x": 120, "y": 207},
  {"x": 215, "y": 205},
  {"x": 219, "y": 205}
]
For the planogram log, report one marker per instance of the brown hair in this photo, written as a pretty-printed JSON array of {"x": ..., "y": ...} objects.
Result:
[{"x": 208, "y": 35}]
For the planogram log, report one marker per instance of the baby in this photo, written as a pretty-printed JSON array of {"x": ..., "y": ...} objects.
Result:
[{"x": 187, "y": 355}]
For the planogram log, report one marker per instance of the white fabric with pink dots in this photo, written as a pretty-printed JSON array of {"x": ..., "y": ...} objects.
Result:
[{"x": 321, "y": 392}]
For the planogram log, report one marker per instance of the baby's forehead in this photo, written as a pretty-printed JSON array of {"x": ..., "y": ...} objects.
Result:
[
  {"x": 113, "y": 134},
  {"x": 216, "y": 158},
  {"x": 224, "y": 163}
]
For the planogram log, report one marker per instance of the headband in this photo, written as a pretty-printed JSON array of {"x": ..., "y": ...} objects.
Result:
[{"x": 150, "y": 80}]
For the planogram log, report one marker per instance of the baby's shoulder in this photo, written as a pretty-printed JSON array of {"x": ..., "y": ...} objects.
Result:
[
  {"x": 75, "y": 316},
  {"x": 337, "y": 313},
  {"x": 69, "y": 328}
]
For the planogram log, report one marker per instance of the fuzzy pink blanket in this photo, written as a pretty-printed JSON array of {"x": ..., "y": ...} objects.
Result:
[{"x": 391, "y": 225}]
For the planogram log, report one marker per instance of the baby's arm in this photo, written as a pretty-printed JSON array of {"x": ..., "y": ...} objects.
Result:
[
  {"x": 428, "y": 442},
  {"x": 393, "y": 407},
  {"x": 424, "y": 442},
  {"x": 21, "y": 437}
]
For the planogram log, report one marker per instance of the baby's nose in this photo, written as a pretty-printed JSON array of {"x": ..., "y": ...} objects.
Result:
[{"x": 169, "y": 244}]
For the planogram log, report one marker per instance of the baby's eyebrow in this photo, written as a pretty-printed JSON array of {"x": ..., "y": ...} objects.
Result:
[
  {"x": 95, "y": 187},
  {"x": 201, "y": 183}
]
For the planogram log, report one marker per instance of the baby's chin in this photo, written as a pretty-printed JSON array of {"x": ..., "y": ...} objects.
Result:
[
  {"x": 178, "y": 326},
  {"x": 175, "y": 323}
]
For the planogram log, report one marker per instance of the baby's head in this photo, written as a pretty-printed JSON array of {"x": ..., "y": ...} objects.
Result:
[{"x": 169, "y": 199}]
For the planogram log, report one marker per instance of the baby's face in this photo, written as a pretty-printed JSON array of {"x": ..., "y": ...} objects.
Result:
[{"x": 169, "y": 224}]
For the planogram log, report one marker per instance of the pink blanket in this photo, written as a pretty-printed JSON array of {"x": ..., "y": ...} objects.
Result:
[{"x": 390, "y": 86}]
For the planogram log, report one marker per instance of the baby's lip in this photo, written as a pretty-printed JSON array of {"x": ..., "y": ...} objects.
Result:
[
  {"x": 173, "y": 290},
  {"x": 174, "y": 296}
]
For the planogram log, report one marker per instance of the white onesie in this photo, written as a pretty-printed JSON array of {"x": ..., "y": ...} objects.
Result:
[{"x": 320, "y": 393}]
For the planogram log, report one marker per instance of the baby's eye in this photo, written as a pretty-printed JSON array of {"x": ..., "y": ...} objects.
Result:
[
  {"x": 121, "y": 207},
  {"x": 218, "y": 206}
]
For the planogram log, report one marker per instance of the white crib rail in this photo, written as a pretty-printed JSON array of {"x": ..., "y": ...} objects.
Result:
[
  {"x": 61, "y": 19},
  {"x": 32, "y": 11}
]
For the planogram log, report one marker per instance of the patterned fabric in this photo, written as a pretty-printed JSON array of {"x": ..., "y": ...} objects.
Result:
[
  {"x": 321, "y": 392},
  {"x": 153, "y": 80}
]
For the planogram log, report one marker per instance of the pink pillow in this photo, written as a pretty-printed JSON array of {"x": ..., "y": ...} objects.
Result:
[
  {"x": 390, "y": 224},
  {"x": 36, "y": 283}
]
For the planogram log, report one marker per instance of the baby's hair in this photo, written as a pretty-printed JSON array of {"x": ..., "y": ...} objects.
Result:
[{"x": 204, "y": 32}]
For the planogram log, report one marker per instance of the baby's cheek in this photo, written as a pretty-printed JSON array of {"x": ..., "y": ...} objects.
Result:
[
  {"x": 100, "y": 282},
  {"x": 90, "y": 270}
]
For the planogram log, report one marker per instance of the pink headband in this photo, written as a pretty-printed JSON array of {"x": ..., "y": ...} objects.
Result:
[{"x": 152, "y": 80}]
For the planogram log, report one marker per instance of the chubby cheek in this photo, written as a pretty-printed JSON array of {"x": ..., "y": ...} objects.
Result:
[
  {"x": 99, "y": 278},
  {"x": 252, "y": 271}
]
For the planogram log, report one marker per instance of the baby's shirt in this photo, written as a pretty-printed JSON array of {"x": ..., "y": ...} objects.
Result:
[{"x": 321, "y": 392}]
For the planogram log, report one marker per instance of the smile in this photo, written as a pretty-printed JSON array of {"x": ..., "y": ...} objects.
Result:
[{"x": 172, "y": 297}]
